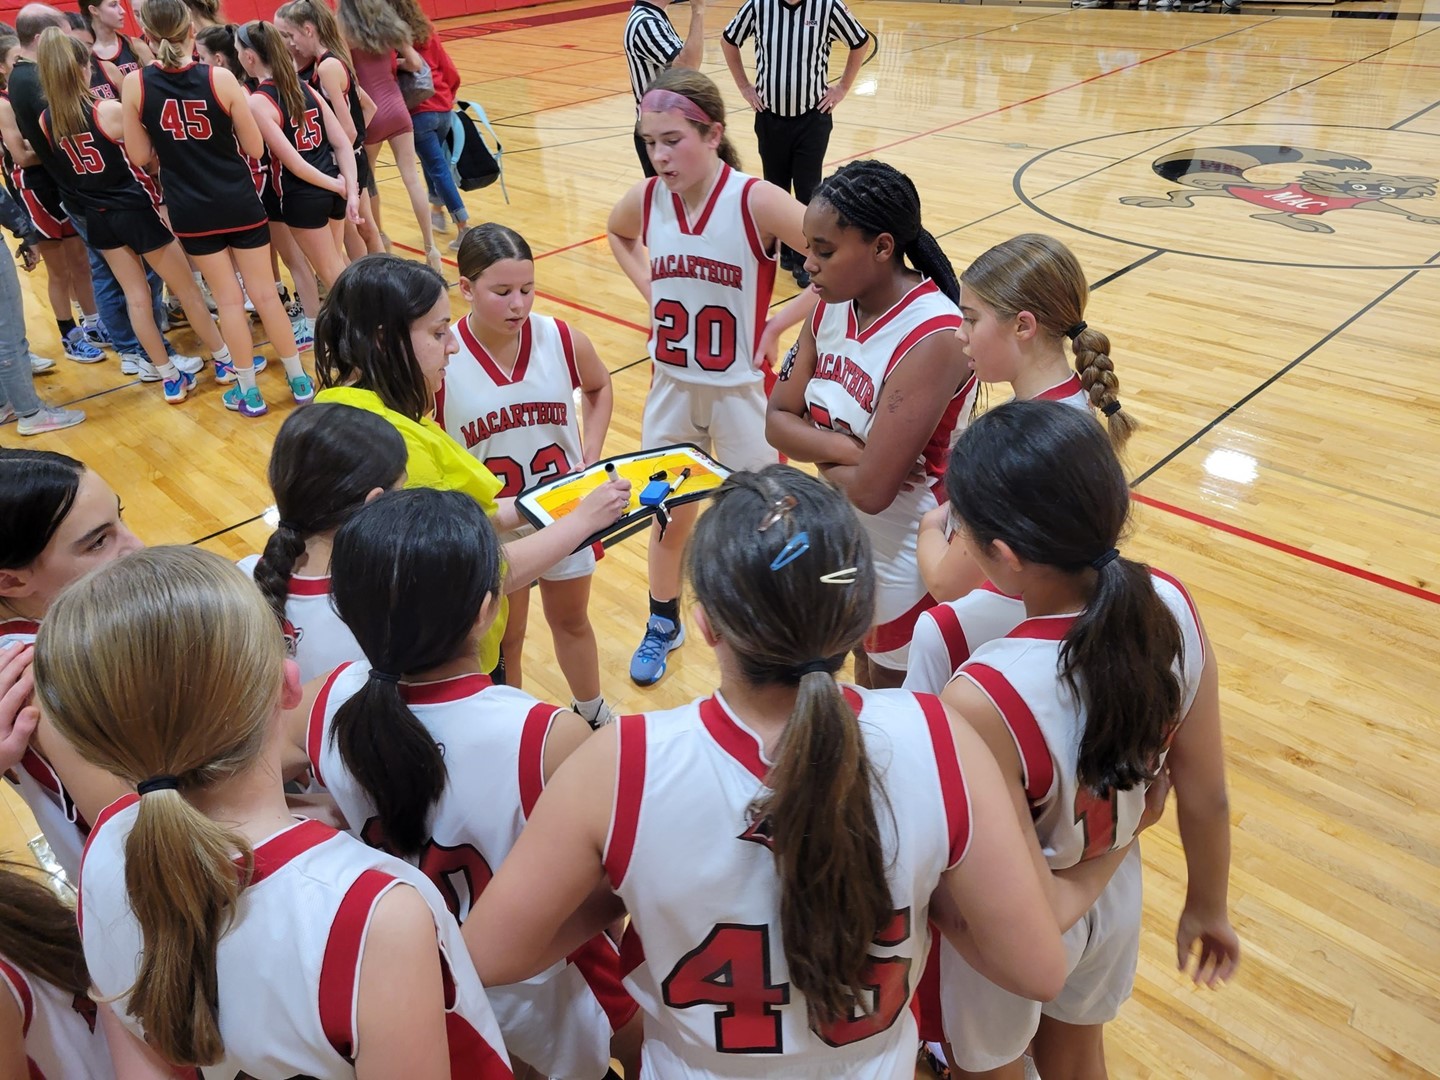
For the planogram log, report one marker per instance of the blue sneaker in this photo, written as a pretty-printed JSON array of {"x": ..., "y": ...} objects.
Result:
[
  {"x": 178, "y": 387},
  {"x": 245, "y": 402},
  {"x": 661, "y": 636},
  {"x": 79, "y": 349},
  {"x": 302, "y": 388}
]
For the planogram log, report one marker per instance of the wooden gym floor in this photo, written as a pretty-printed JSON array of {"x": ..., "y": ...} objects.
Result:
[{"x": 1286, "y": 380}]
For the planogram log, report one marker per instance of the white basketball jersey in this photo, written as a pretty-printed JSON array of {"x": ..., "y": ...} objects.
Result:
[
  {"x": 289, "y": 964},
  {"x": 851, "y": 366},
  {"x": 703, "y": 952},
  {"x": 316, "y": 637},
  {"x": 62, "y": 1040},
  {"x": 1019, "y": 673},
  {"x": 710, "y": 282},
  {"x": 1069, "y": 392},
  {"x": 494, "y": 740},
  {"x": 948, "y": 633},
  {"x": 522, "y": 425}
]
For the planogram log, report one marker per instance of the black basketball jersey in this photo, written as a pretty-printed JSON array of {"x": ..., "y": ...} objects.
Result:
[
  {"x": 306, "y": 133},
  {"x": 208, "y": 185},
  {"x": 100, "y": 84},
  {"x": 102, "y": 177},
  {"x": 28, "y": 101},
  {"x": 124, "y": 58},
  {"x": 311, "y": 75}
]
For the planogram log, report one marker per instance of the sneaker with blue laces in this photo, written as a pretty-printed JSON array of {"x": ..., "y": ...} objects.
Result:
[
  {"x": 78, "y": 348},
  {"x": 302, "y": 388},
  {"x": 245, "y": 402},
  {"x": 178, "y": 387},
  {"x": 662, "y": 635},
  {"x": 225, "y": 370}
]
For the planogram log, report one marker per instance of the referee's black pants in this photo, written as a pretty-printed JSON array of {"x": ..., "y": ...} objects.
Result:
[
  {"x": 792, "y": 153},
  {"x": 644, "y": 154}
]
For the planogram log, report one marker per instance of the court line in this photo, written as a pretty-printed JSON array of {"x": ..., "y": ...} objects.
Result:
[
  {"x": 978, "y": 33},
  {"x": 1290, "y": 549},
  {"x": 1108, "y": 278},
  {"x": 1413, "y": 116}
]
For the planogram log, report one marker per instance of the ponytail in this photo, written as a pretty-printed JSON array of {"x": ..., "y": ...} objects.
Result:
[
  {"x": 276, "y": 564},
  {"x": 821, "y": 801},
  {"x": 927, "y": 256},
  {"x": 63, "y": 65},
  {"x": 410, "y": 573},
  {"x": 168, "y": 25},
  {"x": 267, "y": 44},
  {"x": 38, "y": 933},
  {"x": 318, "y": 14},
  {"x": 1097, "y": 376}
]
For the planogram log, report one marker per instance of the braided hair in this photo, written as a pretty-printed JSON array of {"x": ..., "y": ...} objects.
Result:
[{"x": 877, "y": 198}]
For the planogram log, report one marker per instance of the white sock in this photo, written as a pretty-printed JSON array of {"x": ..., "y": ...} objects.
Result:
[
  {"x": 246, "y": 378},
  {"x": 589, "y": 710},
  {"x": 167, "y": 369},
  {"x": 221, "y": 355},
  {"x": 293, "y": 370},
  {"x": 90, "y": 320}
]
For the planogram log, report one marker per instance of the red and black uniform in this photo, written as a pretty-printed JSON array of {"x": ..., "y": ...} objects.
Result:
[
  {"x": 302, "y": 204},
  {"x": 208, "y": 184},
  {"x": 124, "y": 58},
  {"x": 33, "y": 186},
  {"x": 100, "y": 84},
  {"x": 311, "y": 75}
]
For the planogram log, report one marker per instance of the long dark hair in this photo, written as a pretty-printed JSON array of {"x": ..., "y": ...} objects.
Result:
[
  {"x": 877, "y": 198},
  {"x": 220, "y": 40},
  {"x": 408, "y": 574},
  {"x": 38, "y": 933},
  {"x": 326, "y": 459},
  {"x": 37, "y": 490},
  {"x": 362, "y": 334},
  {"x": 826, "y": 839},
  {"x": 1043, "y": 477}
]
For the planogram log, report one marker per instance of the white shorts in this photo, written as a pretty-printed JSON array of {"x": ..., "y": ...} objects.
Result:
[
  {"x": 988, "y": 1027},
  {"x": 900, "y": 594},
  {"x": 556, "y": 1023},
  {"x": 580, "y": 564},
  {"x": 727, "y": 422}
]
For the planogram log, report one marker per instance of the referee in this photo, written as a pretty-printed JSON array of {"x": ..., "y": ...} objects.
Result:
[
  {"x": 652, "y": 45},
  {"x": 790, "y": 97}
]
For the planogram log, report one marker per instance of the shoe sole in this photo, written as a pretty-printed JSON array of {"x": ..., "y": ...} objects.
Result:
[{"x": 84, "y": 359}]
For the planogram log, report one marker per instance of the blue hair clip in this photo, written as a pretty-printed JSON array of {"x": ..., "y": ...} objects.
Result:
[{"x": 796, "y": 546}]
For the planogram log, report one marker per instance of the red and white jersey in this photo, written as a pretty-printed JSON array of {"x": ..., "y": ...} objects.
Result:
[
  {"x": 1019, "y": 673},
  {"x": 18, "y": 631},
  {"x": 522, "y": 425},
  {"x": 62, "y": 1040},
  {"x": 703, "y": 951},
  {"x": 948, "y": 633},
  {"x": 851, "y": 366},
  {"x": 288, "y": 966},
  {"x": 710, "y": 282},
  {"x": 494, "y": 738},
  {"x": 316, "y": 637},
  {"x": 1069, "y": 392}
]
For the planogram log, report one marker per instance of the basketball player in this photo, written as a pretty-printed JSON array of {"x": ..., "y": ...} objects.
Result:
[
  {"x": 791, "y": 832},
  {"x": 315, "y": 185},
  {"x": 430, "y": 761},
  {"x": 196, "y": 121},
  {"x": 698, "y": 242},
  {"x": 332, "y": 965},
  {"x": 106, "y": 18},
  {"x": 878, "y": 384},
  {"x": 1108, "y": 681},
  {"x": 509, "y": 398},
  {"x": 1021, "y": 300},
  {"x": 946, "y": 634},
  {"x": 327, "y": 462}
]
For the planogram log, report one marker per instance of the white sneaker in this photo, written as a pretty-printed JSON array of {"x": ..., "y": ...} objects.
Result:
[
  {"x": 49, "y": 420},
  {"x": 39, "y": 365},
  {"x": 129, "y": 364},
  {"x": 147, "y": 371},
  {"x": 191, "y": 365},
  {"x": 437, "y": 220},
  {"x": 6, "y": 413},
  {"x": 304, "y": 331}
]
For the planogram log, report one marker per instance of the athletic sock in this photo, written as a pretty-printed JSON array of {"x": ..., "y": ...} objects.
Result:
[
  {"x": 293, "y": 370},
  {"x": 246, "y": 378},
  {"x": 167, "y": 370},
  {"x": 66, "y": 325},
  {"x": 666, "y": 609},
  {"x": 589, "y": 710},
  {"x": 221, "y": 355},
  {"x": 90, "y": 320}
]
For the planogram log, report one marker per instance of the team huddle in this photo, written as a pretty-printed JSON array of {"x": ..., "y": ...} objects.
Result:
[{"x": 319, "y": 828}]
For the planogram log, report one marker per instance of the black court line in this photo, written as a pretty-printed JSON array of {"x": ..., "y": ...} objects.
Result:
[
  {"x": 1416, "y": 115},
  {"x": 1276, "y": 377},
  {"x": 228, "y": 528},
  {"x": 1108, "y": 278}
]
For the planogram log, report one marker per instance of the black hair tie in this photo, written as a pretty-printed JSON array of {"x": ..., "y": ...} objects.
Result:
[
  {"x": 811, "y": 666},
  {"x": 1076, "y": 330},
  {"x": 383, "y": 676},
  {"x": 157, "y": 783},
  {"x": 1111, "y": 408},
  {"x": 1106, "y": 559},
  {"x": 287, "y": 525}
]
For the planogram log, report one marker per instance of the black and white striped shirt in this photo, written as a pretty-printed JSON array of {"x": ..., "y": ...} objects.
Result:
[
  {"x": 792, "y": 48},
  {"x": 651, "y": 45}
]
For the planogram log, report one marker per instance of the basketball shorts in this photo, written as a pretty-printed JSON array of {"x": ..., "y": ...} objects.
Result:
[
  {"x": 364, "y": 175},
  {"x": 727, "y": 422},
  {"x": 988, "y": 1027},
  {"x": 256, "y": 236},
  {"x": 900, "y": 594},
  {"x": 580, "y": 564},
  {"x": 311, "y": 208},
  {"x": 141, "y": 231},
  {"x": 42, "y": 200},
  {"x": 270, "y": 200}
]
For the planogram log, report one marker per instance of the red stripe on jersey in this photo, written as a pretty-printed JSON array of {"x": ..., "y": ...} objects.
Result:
[
  {"x": 1060, "y": 391},
  {"x": 40, "y": 771},
  {"x": 989, "y": 586},
  {"x": 308, "y": 586},
  {"x": 122, "y": 803},
  {"x": 315, "y": 730},
  {"x": 532, "y": 754},
  {"x": 632, "y": 949},
  {"x": 470, "y": 1053},
  {"x": 937, "y": 450},
  {"x": 340, "y": 968},
  {"x": 19, "y": 626},
  {"x": 1035, "y": 758},
  {"x": 937, "y": 325},
  {"x": 599, "y": 964},
  {"x": 952, "y": 780},
  {"x": 752, "y": 229},
  {"x": 925, "y": 288},
  {"x": 1044, "y": 627},
  {"x": 815, "y": 318},
  {"x": 740, "y": 744},
  {"x": 648, "y": 202},
  {"x": 21, "y": 986},
  {"x": 1190, "y": 603},
  {"x": 51, "y": 227},
  {"x": 928, "y": 1012},
  {"x": 683, "y": 216},
  {"x": 443, "y": 691},
  {"x": 567, "y": 346},
  {"x": 887, "y": 637},
  {"x": 629, "y": 787},
  {"x": 280, "y": 849},
  {"x": 488, "y": 364},
  {"x": 764, "y": 289},
  {"x": 952, "y": 634}
]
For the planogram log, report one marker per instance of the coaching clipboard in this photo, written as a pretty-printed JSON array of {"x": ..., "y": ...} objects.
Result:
[{"x": 546, "y": 503}]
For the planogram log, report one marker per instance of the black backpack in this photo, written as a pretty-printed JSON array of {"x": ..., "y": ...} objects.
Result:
[{"x": 476, "y": 165}]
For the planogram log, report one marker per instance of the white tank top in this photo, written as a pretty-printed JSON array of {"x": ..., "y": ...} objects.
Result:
[
  {"x": 1070, "y": 392},
  {"x": 62, "y": 1040},
  {"x": 316, "y": 637},
  {"x": 289, "y": 964},
  {"x": 948, "y": 633},
  {"x": 710, "y": 283},
  {"x": 522, "y": 425},
  {"x": 1019, "y": 673},
  {"x": 703, "y": 950}
]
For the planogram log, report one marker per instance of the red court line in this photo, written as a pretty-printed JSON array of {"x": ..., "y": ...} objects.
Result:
[
  {"x": 504, "y": 26},
  {"x": 1290, "y": 549},
  {"x": 568, "y": 247}
]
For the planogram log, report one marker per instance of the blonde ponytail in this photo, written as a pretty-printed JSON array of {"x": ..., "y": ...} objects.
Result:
[
  {"x": 1102, "y": 386},
  {"x": 168, "y": 24},
  {"x": 65, "y": 78}
]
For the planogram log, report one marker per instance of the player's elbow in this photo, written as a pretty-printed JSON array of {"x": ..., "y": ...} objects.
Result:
[{"x": 871, "y": 498}]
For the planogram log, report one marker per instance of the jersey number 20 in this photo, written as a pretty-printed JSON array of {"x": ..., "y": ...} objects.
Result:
[{"x": 714, "y": 335}]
